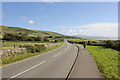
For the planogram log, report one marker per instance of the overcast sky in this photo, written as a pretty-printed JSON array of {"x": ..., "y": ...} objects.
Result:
[{"x": 70, "y": 18}]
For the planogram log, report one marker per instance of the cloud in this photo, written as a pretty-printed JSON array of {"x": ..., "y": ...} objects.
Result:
[
  {"x": 25, "y": 19},
  {"x": 30, "y": 22},
  {"x": 96, "y": 29}
]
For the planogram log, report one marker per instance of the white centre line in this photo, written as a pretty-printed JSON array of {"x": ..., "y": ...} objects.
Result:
[
  {"x": 57, "y": 54},
  {"x": 26, "y": 70}
]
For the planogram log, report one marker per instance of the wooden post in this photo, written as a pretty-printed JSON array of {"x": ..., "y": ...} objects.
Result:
[{"x": 14, "y": 45}]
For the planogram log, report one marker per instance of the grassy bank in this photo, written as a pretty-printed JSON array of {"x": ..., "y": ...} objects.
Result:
[
  {"x": 26, "y": 55},
  {"x": 107, "y": 60}
]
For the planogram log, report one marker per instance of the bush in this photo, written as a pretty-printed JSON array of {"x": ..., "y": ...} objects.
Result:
[
  {"x": 58, "y": 40},
  {"x": 39, "y": 48},
  {"x": 34, "y": 48}
]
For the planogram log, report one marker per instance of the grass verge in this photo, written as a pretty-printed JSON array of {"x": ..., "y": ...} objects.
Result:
[
  {"x": 107, "y": 61},
  {"x": 25, "y": 56}
]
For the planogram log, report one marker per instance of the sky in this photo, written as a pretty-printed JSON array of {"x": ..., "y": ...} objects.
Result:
[{"x": 69, "y": 18}]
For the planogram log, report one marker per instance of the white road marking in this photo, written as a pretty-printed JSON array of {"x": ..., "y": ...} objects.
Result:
[
  {"x": 57, "y": 54},
  {"x": 67, "y": 47},
  {"x": 26, "y": 70}
]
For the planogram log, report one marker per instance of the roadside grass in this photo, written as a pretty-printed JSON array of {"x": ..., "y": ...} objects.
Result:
[
  {"x": 107, "y": 61},
  {"x": 25, "y": 56}
]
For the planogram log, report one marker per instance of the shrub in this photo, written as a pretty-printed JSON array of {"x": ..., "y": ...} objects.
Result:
[
  {"x": 39, "y": 48},
  {"x": 34, "y": 48}
]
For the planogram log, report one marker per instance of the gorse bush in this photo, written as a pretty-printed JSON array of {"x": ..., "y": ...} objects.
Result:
[{"x": 34, "y": 48}]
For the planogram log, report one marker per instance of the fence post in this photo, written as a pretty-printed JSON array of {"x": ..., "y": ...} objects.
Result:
[{"x": 14, "y": 45}]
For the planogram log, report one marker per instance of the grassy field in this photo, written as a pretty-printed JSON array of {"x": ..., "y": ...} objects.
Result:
[
  {"x": 82, "y": 40},
  {"x": 12, "y": 45},
  {"x": 107, "y": 60},
  {"x": 25, "y": 55},
  {"x": 113, "y": 44}
]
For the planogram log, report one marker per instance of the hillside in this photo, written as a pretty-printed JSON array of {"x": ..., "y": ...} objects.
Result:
[{"x": 28, "y": 32}]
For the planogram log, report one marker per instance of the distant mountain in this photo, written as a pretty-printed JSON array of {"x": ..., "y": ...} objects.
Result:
[
  {"x": 28, "y": 32},
  {"x": 96, "y": 37}
]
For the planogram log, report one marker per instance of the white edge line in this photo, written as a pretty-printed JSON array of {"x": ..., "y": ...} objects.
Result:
[
  {"x": 26, "y": 70},
  {"x": 24, "y": 60}
]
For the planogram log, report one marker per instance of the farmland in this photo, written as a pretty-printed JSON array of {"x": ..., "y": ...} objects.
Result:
[{"x": 13, "y": 45}]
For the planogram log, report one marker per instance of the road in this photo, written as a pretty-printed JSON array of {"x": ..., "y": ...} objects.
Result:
[{"x": 54, "y": 64}]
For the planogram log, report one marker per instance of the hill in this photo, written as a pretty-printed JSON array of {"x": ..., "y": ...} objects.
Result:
[
  {"x": 28, "y": 32},
  {"x": 22, "y": 34}
]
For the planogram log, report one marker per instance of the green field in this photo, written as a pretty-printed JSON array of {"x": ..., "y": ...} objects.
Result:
[
  {"x": 82, "y": 40},
  {"x": 107, "y": 60},
  {"x": 12, "y": 45}
]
